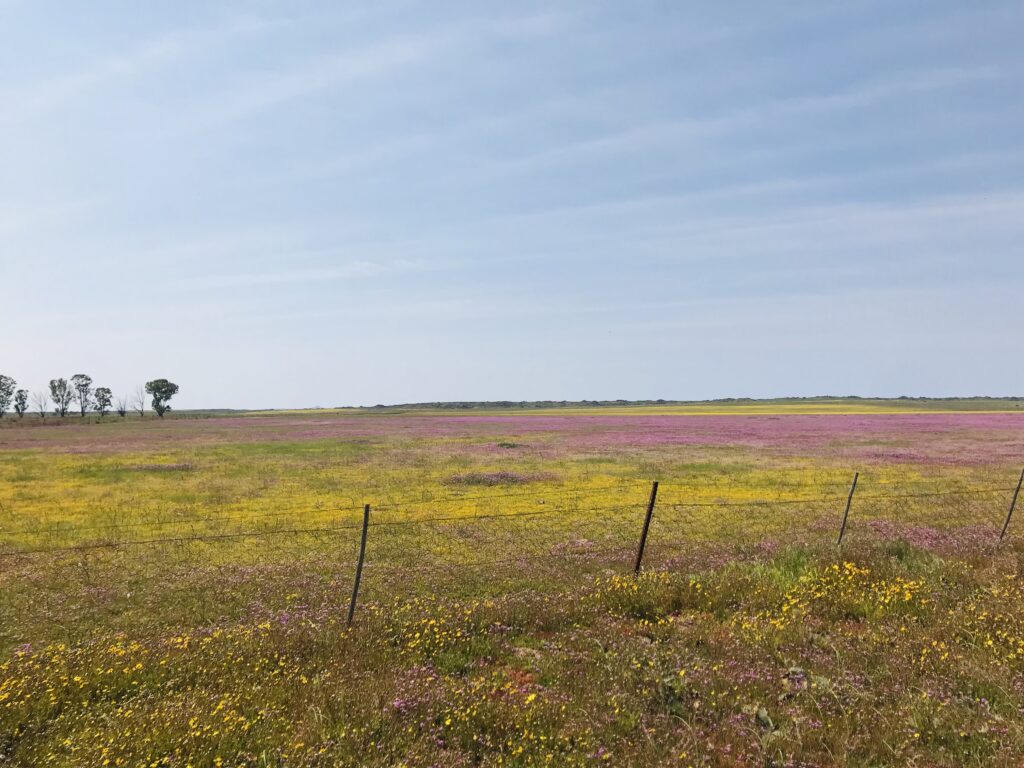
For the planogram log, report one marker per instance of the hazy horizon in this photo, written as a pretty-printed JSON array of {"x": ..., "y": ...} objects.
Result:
[
  {"x": 284, "y": 205},
  {"x": 606, "y": 403}
]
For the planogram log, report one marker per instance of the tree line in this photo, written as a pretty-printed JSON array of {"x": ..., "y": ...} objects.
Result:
[{"x": 78, "y": 393}]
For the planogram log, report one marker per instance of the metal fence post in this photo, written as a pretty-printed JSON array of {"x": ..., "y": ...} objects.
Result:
[
  {"x": 359, "y": 565},
  {"x": 1013, "y": 504},
  {"x": 647, "y": 527},
  {"x": 846, "y": 514}
]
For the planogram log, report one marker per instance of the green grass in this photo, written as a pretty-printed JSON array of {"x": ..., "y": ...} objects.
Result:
[{"x": 701, "y": 668}]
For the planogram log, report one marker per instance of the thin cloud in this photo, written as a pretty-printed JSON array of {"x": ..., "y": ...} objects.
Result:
[
  {"x": 370, "y": 62},
  {"x": 352, "y": 270},
  {"x": 644, "y": 138},
  {"x": 38, "y": 99},
  {"x": 28, "y": 217}
]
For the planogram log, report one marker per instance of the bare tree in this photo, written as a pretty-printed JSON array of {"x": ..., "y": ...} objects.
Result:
[
  {"x": 139, "y": 400},
  {"x": 41, "y": 401},
  {"x": 121, "y": 405}
]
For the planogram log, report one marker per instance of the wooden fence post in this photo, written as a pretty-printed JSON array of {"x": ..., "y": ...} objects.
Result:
[
  {"x": 647, "y": 527},
  {"x": 359, "y": 565},
  {"x": 846, "y": 514},
  {"x": 1013, "y": 504}
]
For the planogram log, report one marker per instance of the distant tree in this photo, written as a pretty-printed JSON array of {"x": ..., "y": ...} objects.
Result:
[
  {"x": 81, "y": 386},
  {"x": 61, "y": 394},
  {"x": 102, "y": 399},
  {"x": 7, "y": 385},
  {"x": 40, "y": 400},
  {"x": 162, "y": 391},
  {"x": 122, "y": 406},
  {"x": 21, "y": 403},
  {"x": 139, "y": 401}
]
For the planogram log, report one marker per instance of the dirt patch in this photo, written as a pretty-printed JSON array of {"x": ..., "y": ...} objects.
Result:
[
  {"x": 183, "y": 467},
  {"x": 495, "y": 478}
]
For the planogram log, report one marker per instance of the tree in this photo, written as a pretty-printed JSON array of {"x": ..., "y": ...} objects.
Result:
[
  {"x": 81, "y": 386},
  {"x": 139, "y": 401},
  {"x": 40, "y": 400},
  {"x": 102, "y": 398},
  {"x": 122, "y": 406},
  {"x": 7, "y": 385},
  {"x": 61, "y": 394},
  {"x": 21, "y": 403},
  {"x": 162, "y": 391}
]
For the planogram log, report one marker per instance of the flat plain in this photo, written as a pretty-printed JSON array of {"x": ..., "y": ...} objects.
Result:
[{"x": 175, "y": 592}]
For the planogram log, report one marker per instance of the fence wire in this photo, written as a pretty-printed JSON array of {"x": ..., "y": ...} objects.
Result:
[{"x": 522, "y": 534}]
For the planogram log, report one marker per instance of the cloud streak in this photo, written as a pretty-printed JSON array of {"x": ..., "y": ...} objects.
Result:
[
  {"x": 351, "y": 270},
  {"x": 39, "y": 99},
  {"x": 378, "y": 60}
]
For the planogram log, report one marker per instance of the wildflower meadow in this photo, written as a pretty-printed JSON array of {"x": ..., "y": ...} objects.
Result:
[{"x": 176, "y": 592}]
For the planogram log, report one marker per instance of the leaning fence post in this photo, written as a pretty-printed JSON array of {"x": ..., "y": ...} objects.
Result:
[
  {"x": 647, "y": 527},
  {"x": 846, "y": 514},
  {"x": 359, "y": 565},
  {"x": 1013, "y": 504}
]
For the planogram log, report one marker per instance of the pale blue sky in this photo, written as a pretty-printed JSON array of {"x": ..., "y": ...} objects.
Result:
[{"x": 402, "y": 201}]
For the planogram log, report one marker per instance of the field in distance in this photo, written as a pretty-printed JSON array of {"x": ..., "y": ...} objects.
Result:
[{"x": 708, "y": 407}]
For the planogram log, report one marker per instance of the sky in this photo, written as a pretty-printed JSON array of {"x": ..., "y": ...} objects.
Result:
[{"x": 297, "y": 204}]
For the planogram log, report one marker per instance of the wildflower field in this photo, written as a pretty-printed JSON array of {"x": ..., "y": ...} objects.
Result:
[{"x": 175, "y": 592}]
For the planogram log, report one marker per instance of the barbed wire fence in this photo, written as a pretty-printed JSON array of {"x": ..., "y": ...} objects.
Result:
[{"x": 436, "y": 542}]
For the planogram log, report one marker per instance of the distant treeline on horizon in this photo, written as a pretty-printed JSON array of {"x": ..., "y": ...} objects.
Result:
[
  {"x": 541, "y": 404},
  {"x": 979, "y": 402}
]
